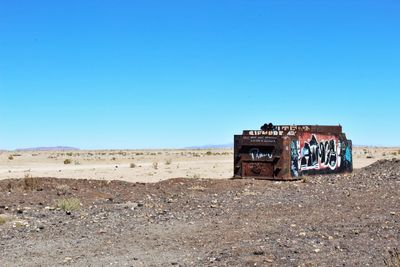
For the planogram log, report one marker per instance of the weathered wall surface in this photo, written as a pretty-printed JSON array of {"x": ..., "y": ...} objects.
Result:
[{"x": 313, "y": 153}]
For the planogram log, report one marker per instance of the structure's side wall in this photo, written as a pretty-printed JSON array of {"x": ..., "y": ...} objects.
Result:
[{"x": 314, "y": 153}]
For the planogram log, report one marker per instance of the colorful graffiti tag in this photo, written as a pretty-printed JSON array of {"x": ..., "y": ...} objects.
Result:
[{"x": 319, "y": 153}]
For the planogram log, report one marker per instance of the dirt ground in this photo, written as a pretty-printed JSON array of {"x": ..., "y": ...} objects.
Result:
[
  {"x": 142, "y": 165},
  {"x": 335, "y": 220}
]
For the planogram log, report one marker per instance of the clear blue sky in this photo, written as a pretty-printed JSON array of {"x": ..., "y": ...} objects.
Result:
[{"x": 154, "y": 74}]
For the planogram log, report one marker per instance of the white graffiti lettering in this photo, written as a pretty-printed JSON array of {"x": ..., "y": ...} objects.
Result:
[{"x": 256, "y": 154}]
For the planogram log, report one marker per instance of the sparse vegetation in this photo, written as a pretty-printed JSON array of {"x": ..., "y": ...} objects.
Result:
[
  {"x": 67, "y": 161},
  {"x": 30, "y": 183},
  {"x": 132, "y": 165},
  {"x": 208, "y": 153},
  {"x": 18, "y": 224},
  {"x": 168, "y": 162},
  {"x": 155, "y": 165},
  {"x": 69, "y": 204},
  {"x": 196, "y": 176},
  {"x": 3, "y": 219},
  {"x": 10, "y": 157}
]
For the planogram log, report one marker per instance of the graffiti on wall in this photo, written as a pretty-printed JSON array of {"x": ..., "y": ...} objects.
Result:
[
  {"x": 256, "y": 154},
  {"x": 319, "y": 152}
]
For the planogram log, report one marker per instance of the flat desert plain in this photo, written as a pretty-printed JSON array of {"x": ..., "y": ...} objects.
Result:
[
  {"x": 142, "y": 165},
  {"x": 350, "y": 219}
]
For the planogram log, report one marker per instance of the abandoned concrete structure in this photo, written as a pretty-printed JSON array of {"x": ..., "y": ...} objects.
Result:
[{"x": 286, "y": 152}]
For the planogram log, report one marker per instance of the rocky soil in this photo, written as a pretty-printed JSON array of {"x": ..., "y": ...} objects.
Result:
[{"x": 335, "y": 220}]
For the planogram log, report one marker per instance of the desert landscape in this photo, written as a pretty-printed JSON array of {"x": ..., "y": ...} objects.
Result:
[
  {"x": 143, "y": 165},
  {"x": 180, "y": 208}
]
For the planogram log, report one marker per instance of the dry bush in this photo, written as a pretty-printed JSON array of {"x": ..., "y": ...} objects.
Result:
[
  {"x": 155, "y": 165},
  {"x": 3, "y": 219},
  {"x": 168, "y": 162},
  {"x": 30, "y": 183},
  {"x": 67, "y": 161},
  {"x": 132, "y": 165},
  {"x": 10, "y": 157},
  {"x": 69, "y": 204}
]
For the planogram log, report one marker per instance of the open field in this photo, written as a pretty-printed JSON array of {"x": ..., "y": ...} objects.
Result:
[
  {"x": 142, "y": 165},
  {"x": 334, "y": 220}
]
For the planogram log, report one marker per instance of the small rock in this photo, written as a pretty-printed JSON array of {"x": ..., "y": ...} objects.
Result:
[{"x": 67, "y": 259}]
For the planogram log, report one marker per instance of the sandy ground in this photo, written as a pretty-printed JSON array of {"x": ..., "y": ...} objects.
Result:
[
  {"x": 332, "y": 220},
  {"x": 142, "y": 165}
]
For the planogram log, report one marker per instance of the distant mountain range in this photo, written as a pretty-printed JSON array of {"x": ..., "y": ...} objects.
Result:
[
  {"x": 68, "y": 148},
  {"x": 211, "y": 146},
  {"x": 50, "y": 148}
]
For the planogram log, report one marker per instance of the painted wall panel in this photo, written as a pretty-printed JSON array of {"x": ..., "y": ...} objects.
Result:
[{"x": 313, "y": 153}]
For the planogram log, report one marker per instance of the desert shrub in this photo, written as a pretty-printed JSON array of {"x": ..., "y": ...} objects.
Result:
[
  {"x": 69, "y": 154},
  {"x": 168, "y": 162},
  {"x": 10, "y": 157},
  {"x": 3, "y": 220},
  {"x": 113, "y": 158},
  {"x": 132, "y": 165},
  {"x": 208, "y": 153},
  {"x": 69, "y": 204},
  {"x": 155, "y": 165},
  {"x": 196, "y": 176},
  {"x": 67, "y": 161},
  {"x": 30, "y": 183}
]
